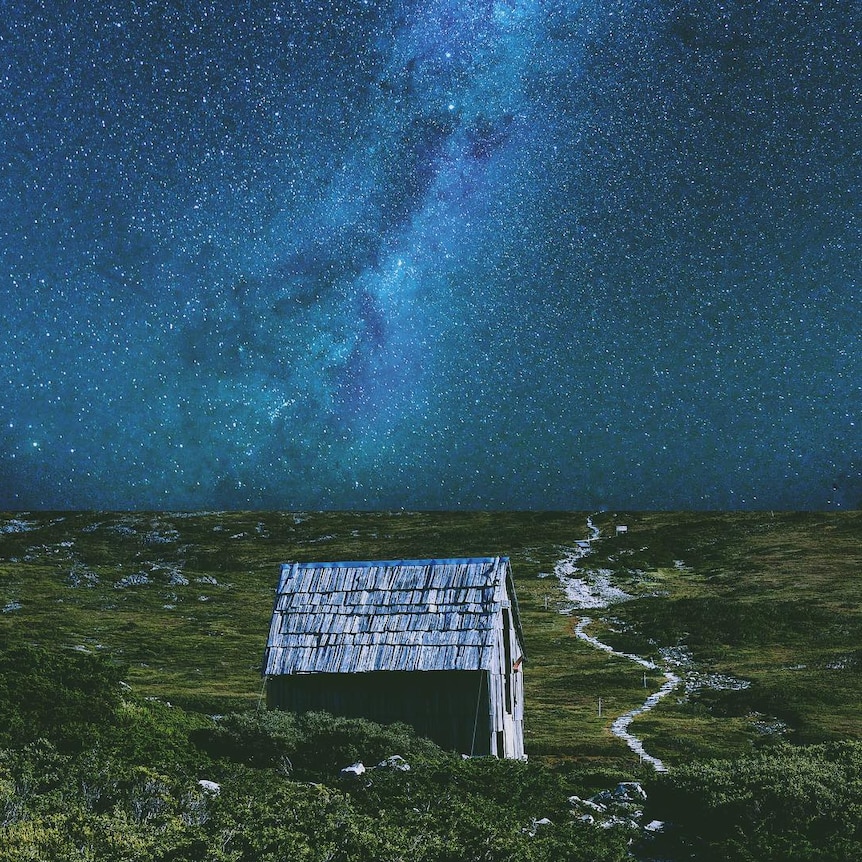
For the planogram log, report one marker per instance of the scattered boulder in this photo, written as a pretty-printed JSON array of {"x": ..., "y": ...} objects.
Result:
[
  {"x": 629, "y": 791},
  {"x": 625, "y": 791},
  {"x": 81, "y": 576},
  {"x": 616, "y": 822},
  {"x": 209, "y": 786},
  {"x": 355, "y": 770},
  {"x": 621, "y": 807},
  {"x": 396, "y": 761},
  {"x": 588, "y": 803},
  {"x": 533, "y": 828},
  {"x": 139, "y": 579}
]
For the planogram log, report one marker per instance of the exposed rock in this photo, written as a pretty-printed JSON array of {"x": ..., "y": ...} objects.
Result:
[
  {"x": 81, "y": 576},
  {"x": 621, "y": 807},
  {"x": 396, "y": 761},
  {"x": 768, "y": 726},
  {"x": 12, "y": 606},
  {"x": 618, "y": 822},
  {"x": 843, "y": 662},
  {"x": 16, "y": 525},
  {"x": 154, "y": 537},
  {"x": 136, "y": 580},
  {"x": 355, "y": 770},
  {"x": 209, "y": 786},
  {"x": 535, "y": 824},
  {"x": 629, "y": 791},
  {"x": 588, "y": 803}
]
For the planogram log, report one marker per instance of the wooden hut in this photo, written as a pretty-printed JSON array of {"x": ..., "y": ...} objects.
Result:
[{"x": 433, "y": 643}]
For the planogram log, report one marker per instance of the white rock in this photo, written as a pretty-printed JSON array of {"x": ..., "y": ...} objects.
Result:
[
  {"x": 618, "y": 822},
  {"x": 396, "y": 761},
  {"x": 532, "y": 828},
  {"x": 629, "y": 791},
  {"x": 353, "y": 771},
  {"x": 655, "y": 826},
  {"x": 210, "y": 786}
]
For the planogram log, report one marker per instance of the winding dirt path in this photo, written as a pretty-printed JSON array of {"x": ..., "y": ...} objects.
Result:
[
  {"x": 620, "y": 726},
  {"x": 597, "y": 592}
]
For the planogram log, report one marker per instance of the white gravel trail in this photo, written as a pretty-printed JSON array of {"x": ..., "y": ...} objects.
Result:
[{"x": 597, "y": 592}]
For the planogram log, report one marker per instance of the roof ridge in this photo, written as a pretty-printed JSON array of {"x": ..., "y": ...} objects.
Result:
[{"x": 375, "y": 564}]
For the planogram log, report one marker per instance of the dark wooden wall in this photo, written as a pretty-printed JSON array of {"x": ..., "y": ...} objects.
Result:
[{"x": 450, "y": 707}]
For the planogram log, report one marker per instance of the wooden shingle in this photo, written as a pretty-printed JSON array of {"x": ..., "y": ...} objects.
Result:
[{"x": 409, "y": 615}]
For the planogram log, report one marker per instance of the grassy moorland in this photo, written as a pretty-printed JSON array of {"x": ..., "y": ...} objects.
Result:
[
  {"x": 185, "y": 600},
  {"x": 773, "y": 599},
  {"x": 108, "y": 619}
]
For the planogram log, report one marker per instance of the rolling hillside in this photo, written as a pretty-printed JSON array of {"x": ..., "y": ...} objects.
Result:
[{"x": 760, "y": 612}]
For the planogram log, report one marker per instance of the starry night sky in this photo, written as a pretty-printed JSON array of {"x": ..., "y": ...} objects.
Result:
[{"x": 430, "y": 254}]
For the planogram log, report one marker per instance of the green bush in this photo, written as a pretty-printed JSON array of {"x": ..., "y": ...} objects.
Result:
[
  {"x": 152, "y": 733},
  {"x": 787, "y": 804},
  {"x": 262, "y": 738},
  {"x": 328, "y": 743},
  {"x": 61, "y": 695},
  {"x": 92, "y": 807},
  {"x": 314, "y": 744}
]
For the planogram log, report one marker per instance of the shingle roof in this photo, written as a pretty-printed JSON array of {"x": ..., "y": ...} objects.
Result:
[{"x": 388, "y": 615}]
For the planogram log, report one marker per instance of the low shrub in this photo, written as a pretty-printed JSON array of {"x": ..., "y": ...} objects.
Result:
[
  {"x": 787, "y": 804},
  {"x": 313, "y": 744},
  {"x": 64, "y": 696}
]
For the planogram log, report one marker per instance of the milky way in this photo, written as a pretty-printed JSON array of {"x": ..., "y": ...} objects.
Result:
[{"x": 432, "y": 254}]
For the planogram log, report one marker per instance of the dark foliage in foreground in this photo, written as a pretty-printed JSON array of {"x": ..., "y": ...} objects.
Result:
[
  {"x": 61, "y": 695},
  {"x": 790, "y": 804},
  {"x": 126, "y": 784},
  {"x": 310, "y": 744},
  {"x": 90, "y": 772}
]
